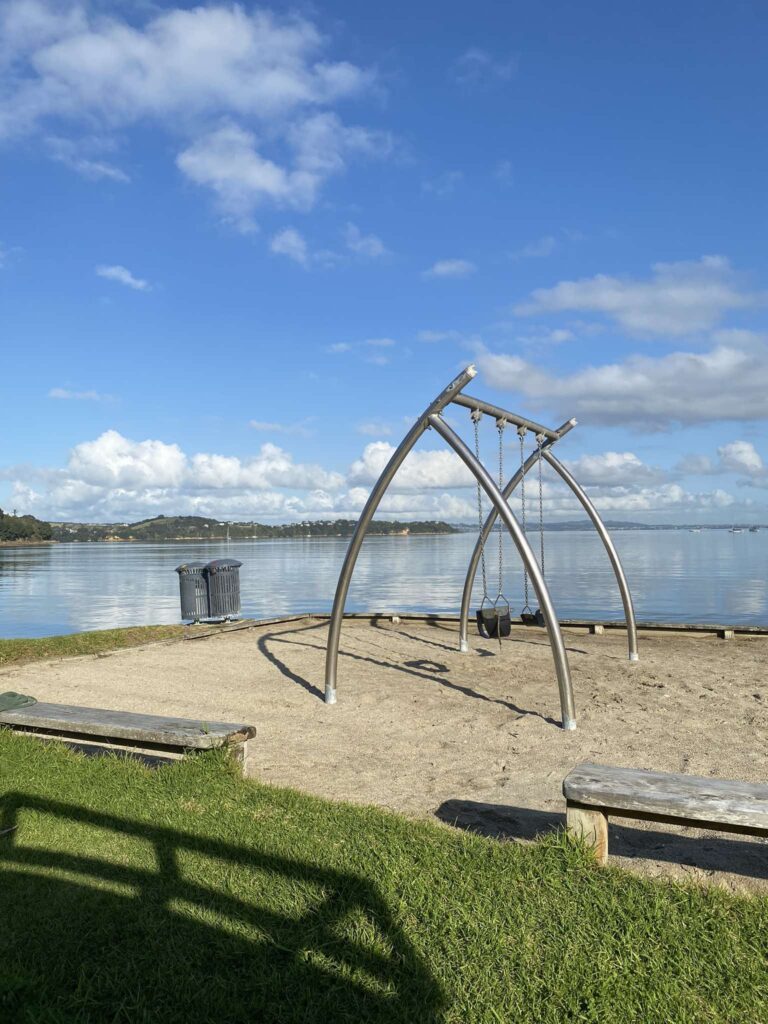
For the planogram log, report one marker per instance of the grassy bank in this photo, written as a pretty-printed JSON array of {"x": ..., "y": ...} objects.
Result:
[
  {"x": 22, "y": 651},
  {"x": 190, "y": 895}
]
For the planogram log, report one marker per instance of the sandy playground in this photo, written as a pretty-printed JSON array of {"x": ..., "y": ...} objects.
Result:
[{"x": 470, "y": 738}]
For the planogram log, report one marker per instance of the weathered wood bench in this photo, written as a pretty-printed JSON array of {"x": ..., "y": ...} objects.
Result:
[
  {"x": 128, "y": 730},
  {"x": 594, "y": 792}
]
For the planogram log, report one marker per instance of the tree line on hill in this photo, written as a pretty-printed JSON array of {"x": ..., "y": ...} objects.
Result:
[
  {"x": 21, "y": 528},
  {"x": 174, "y": 528}
]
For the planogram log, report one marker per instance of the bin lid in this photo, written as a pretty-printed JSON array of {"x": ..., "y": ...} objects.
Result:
[
  {"x": 222, "y": 564},
  {"x": 189, "y": 567}
]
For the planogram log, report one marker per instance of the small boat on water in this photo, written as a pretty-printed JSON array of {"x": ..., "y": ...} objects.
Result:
[
  {"x": 754, "y": 529},
  {"x": 736, "y": 529}
]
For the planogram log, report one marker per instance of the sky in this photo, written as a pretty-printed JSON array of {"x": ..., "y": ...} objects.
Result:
[{"x": 243, "y": 247}]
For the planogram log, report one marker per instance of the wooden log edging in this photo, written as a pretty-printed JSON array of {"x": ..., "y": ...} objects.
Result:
[{"x": 595, "y": 626}]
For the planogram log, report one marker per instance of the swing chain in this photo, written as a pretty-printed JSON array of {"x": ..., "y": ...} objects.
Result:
[
  {"x": 540, "y": 445},
  {"x": 500, "y": 425},
  {"x": 521, "y": 432},
  {"x": 476, "y": 416}
]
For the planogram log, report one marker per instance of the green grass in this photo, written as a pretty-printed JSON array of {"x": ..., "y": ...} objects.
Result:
[
  {"x": 187, "y": 894},
  {"x": 19, "y": 652}
]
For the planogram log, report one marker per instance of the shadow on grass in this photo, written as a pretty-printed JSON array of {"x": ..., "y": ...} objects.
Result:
[
  {"x": 708, "y": 853},
  {"x": 145, "y": 936}
]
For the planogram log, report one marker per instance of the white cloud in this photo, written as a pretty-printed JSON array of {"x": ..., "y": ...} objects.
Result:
[
  {"x": 369, "y": 246},
  {"x": 477, "y": 67},
  {"x": 741, "y": 457},
  {"x": 444, "y": 184},
  {"x": 83, "y": 160},
  {"x": 298, "y": 429},
  {"x": 610, "y": 469},
  {"x": 430, "y": 337},
  {"x": 181, "y": 63},
  {"x": 421, "y": 470},
  {"x": 250, "y": 90},
  {"x": 114, "y": 461},
  {"x": 228, "y": 161},
  {"x": 695, "y": 465},
  {"x": 451, "y": 268},
  {"x": 504, "y": 172},
  {"x": 733, "y": 457},
  {"x": 663, "y": 499},
  {"x": 123, "y": 276},
  {"x": 289, "y": 242},
  {"x": 374, "y": 428},
  {"x": 323, "y": 144},
  {"x": 376, "y": 358},
  {"x": 538, "y": 249},
  {"x": 78, "y": 396},
  {"x": 559, "y": 335},
  {"x": 113, "y": 478},
  {"x": 680, "y": 298},
  {"x": 725, "y": 383}
]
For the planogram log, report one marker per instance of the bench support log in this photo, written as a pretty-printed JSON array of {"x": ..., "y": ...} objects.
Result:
[{"x": 591, "y": 825}]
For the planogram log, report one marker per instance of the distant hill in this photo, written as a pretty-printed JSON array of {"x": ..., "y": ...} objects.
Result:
[
  {"x": 175, "y": 528},
  {"x": 14, "y": 529},
  {"x": 616, "y": 525}
]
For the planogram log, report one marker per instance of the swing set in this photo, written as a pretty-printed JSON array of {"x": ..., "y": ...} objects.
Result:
[
  {"x": 493, "y": 616},
  {"x": 495, "y": 620}
]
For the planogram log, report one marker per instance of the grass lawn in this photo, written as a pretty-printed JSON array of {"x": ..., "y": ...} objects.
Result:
[
  {"x": 19, "y": 652},
  {"x": 188, "y": 894}
]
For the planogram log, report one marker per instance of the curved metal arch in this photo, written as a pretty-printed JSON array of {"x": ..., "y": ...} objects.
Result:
[
  {"x": 613, "y": 555},
  {"x": 589, "y": 508},
  {"x": 374, "y": 498},
  {"x": 556, "y": 642},
  {"x": 430, "y": 418}
]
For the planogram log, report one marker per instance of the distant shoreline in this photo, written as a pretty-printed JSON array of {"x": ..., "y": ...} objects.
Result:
[
  {"x": 26, "y": 542},
  {"x": 458, "y": 530}
]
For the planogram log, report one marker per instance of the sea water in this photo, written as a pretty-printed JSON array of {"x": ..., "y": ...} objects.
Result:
[{"x": 674, "y": 575}]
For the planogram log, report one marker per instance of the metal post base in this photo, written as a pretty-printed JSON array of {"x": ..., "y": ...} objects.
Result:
[
  {"x": 463, "y": 646},
  {"x": 634, "y": 657},
  {"x": 569, "y": 724},
  {"x": 330, "y": 696}
]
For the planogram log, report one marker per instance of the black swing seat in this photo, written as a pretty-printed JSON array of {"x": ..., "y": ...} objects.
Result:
[
  {"x": 532, "y": 618},
  {"x": 492, "y": 623}
]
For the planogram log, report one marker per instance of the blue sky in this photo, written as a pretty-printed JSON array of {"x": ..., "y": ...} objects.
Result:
[{"x": 241, "y": 246}]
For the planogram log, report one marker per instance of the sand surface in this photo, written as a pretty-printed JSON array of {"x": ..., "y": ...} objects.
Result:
[{"x": 472, "y": 739}]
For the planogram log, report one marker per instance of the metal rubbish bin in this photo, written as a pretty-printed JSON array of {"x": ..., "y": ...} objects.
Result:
[
  {"x": 223, "y": 576},
  {"x": 193, "y": 590}
]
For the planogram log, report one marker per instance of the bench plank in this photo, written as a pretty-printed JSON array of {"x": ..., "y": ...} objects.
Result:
[
  {"x": 126, "y": 726},
  {"x": 660, "y": 794}
]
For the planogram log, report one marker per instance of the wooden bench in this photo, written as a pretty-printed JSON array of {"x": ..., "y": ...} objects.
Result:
[
  {"x": 126, "y": 729},
  {"x": 594, "y": 792}
]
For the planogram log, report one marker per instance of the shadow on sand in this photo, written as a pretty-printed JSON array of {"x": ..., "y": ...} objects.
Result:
[
  {"x": 430, "y": 671},
  {"x": 88, "y": 937}
]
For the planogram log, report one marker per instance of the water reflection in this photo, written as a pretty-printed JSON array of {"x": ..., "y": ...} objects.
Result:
[{"x": 713, "y": 576}]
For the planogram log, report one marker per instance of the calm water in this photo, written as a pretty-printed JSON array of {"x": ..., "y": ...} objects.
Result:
[{"x": 713, "y": 576}]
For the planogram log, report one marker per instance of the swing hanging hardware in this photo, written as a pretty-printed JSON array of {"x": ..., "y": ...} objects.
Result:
[
  {"x": 528, "y": 616},
  {"x": 493, "y": 616}
]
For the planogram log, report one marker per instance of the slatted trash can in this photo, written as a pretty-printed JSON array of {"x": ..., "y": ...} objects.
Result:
[
  {"x": 223, "y": 575},
  {"x": 193, "y": 590}
]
